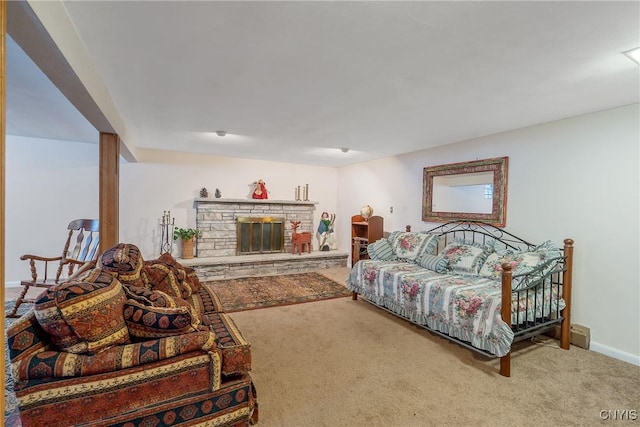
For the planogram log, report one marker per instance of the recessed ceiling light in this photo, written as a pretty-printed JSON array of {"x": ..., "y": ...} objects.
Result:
[
  {"x": 344, "y": 149},
  {"x": 221, "y": 133},
  {"x": 633, "y": 54}
]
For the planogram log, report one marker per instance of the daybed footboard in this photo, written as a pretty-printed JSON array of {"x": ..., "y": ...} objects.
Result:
[
  {"x": 554, "y": 284},
  {"x": 527, "y": 302}
]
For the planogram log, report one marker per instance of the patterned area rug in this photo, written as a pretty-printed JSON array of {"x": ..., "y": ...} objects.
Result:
[
  {"x": 10, "y": 401},
  {"x": 269, "y": 291}
]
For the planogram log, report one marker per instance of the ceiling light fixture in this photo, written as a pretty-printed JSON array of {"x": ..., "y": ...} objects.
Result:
[
  {"x": 221, "y": 133},
  {"x": 344, "y": 149},
  {"x": 633, "y": 54}
]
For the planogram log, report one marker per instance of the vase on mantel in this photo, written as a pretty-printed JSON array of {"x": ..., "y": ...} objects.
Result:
[{"x": 187, "y": 248}]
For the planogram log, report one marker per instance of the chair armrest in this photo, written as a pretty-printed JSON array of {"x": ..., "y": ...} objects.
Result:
[
  {"x": 33, "y": 263},
  {"x": 39, "y": 258}
]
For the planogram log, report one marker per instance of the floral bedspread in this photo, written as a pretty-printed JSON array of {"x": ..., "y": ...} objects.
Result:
[{"x": 465, "y": 307}]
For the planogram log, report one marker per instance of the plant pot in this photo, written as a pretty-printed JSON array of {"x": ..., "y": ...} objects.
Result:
[{"x": 187, "y": 248}]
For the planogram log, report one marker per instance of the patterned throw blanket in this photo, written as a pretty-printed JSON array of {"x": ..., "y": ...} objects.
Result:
[{"x": 464, "y": 307}]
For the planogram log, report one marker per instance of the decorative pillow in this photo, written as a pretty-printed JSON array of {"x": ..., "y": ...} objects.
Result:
[
  {"x": 187, "y": 275},
  {"x": 526, "y": 262},
  {"x": 124, "y": 262},
  {"x": 84, "y": 315},
  {"x": 168, "y": 275},
  {"x": 411, "y": 245},
  {"x": 522, "y": 262},
  {"x": 152, "y": 298},
  {"x": 393, "y": 236},
  {"x": 146, "y": 321},
  {"x": 466, "y": 257},
  {"x": 492, "y": 267},
  {"x": 381, "y": 250},
  {"x": 437, "y": 263}
]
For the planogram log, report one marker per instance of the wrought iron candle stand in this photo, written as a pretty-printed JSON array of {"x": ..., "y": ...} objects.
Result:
[{"x": 166, "y": 225}]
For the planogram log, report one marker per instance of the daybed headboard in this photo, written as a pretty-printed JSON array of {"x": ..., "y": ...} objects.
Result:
[{"x": 479, "y": 232}]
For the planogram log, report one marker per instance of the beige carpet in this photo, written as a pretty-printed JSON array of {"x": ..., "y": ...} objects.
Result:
[{"x": 346, "y": 363}]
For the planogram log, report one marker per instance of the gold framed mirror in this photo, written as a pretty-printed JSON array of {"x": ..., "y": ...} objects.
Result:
[{"x": 475, "y": 190}]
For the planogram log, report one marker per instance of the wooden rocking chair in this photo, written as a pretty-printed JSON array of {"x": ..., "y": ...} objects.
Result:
[{"x": 84, "y": 236}]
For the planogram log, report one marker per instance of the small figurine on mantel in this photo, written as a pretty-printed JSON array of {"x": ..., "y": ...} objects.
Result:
[
  {"x": 325, "y": 235},
  {"x": 204, "y": 193},
  {"x": 218, "y": 194},
  {"x": 260, "y": 190}
]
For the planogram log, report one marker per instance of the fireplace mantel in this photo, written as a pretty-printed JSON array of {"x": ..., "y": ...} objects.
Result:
[
  {"x": 209, "y": 200},
  {"x": 216, "y": 219}
]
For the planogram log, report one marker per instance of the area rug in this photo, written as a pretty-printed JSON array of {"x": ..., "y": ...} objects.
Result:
[
  {"x": 10, "y": 401},
  {"x": 269, "y": 291}
]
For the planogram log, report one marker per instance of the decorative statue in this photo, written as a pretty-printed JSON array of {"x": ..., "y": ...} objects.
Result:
[
  {"x": 260, "y": 190},
  {"x": 204, "y": 192},
  {"x": 218, "y": 194},
  {"x": 325, "y": 236}
]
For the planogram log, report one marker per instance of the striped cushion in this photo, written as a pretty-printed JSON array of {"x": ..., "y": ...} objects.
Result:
[
  {"x": 381, "y": 250},
  {"x": 84, "y": 315},
  {"x": 146, "y": 321},
  {"x": 436, "y": 263},
  {"x": 124, "y": 262}
]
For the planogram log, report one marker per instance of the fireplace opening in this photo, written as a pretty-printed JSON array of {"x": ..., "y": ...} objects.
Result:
[{"x": 260, "y": 235}]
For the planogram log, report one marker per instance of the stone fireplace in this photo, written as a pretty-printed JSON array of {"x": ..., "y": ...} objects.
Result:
[{"x": 220, "y": 222}]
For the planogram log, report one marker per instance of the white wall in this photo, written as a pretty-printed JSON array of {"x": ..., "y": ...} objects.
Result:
[
  {"x": 49, "y": 183},
  {"x": 576, "y": 178},
  {"x": 170, "y": 181}
]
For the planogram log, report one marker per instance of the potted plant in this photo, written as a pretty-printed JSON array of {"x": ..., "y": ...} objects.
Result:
[{"x": 187, "y": 236}]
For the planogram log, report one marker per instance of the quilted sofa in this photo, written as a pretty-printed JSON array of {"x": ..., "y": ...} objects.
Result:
[{"x": 127, "y": 343}]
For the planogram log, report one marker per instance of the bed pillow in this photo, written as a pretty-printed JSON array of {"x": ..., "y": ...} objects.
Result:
[
  {"x": 381, "y": 250},
  {"x": 411, "y": 245},
  {"x": 521, "y": 262},
  {"x": 466, "y": 257},
  {"x": 492, "y": 267},
  {"x": 526, "y": 262},
  {"x": 437, "y": 263}
]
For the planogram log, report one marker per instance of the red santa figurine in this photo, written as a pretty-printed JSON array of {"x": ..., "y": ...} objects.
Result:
[{"x": 260, "y": 190}]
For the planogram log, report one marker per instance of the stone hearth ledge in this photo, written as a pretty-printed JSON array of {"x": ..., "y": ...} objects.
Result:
[{"x": 225, "y": 267}]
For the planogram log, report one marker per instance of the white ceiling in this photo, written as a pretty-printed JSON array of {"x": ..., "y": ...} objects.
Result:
[{"x": 296, "y": 81}]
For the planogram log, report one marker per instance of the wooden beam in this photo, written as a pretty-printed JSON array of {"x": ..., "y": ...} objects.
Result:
[
  {"x": 109, "y": 190},
  {"x": 3, "y": 100}
]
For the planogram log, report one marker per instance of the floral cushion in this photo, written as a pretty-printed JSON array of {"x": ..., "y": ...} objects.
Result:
[
  {"x": 411, "y": 245},
  {"x": 466, "y": 257},
  {"x": 124, "y": 262},
  {"x": 521, "y": 262},
  {"x": 84, "y": 315},
  {"x": 437, "y": 263},
  {"x": 381, "y": 250},
  {"x": 492, "y": 267}
]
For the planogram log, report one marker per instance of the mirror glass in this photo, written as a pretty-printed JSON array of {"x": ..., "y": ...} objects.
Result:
[{"x": 466, "y": 191}]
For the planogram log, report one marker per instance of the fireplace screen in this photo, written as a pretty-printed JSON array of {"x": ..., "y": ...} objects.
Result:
[{"x": 260, "y": 235}]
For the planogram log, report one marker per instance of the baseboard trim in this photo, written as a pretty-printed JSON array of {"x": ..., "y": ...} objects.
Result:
[{"x": 634, "y": 359}]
